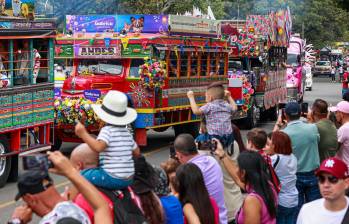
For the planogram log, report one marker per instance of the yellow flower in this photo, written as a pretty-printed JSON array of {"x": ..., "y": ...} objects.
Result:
[{"x": 25, "y": 9}]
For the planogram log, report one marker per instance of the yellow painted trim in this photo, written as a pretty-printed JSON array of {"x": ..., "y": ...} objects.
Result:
[
  {"x": 164, "y": 109},
  {"x": 171, "y": 124}
]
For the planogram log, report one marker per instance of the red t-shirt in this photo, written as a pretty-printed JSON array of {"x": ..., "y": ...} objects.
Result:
[
  {"x": 82, "y": 203},
  {"x": 345, "y": 80}
]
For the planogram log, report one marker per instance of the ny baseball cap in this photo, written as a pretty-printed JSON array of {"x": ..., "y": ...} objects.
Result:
[
  {"x": 342, "y": 106},
  {"x": 292, "y": 108},
  {"x": 335, "y": 167},
  {"x": 33, "y": 182}
]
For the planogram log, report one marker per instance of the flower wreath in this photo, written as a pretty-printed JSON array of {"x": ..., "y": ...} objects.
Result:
[
  {"x": 247, "y": 90},
  {"x": 68, "y": 110},
  {"x": 152, "y": 74}
]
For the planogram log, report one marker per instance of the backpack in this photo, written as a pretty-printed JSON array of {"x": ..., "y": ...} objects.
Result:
[
  {"x": 271, "y": 171},
  {"x": 125, "y": 210}
]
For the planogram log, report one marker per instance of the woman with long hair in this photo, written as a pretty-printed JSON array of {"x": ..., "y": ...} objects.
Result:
[
  {"x": 285, "y": 166},
  {"x": 198, "y": 207},
  {"x": 259, "y": 206}
]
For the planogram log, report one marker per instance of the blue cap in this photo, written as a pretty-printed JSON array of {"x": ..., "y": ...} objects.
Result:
[{"x": 293, "y": 109}]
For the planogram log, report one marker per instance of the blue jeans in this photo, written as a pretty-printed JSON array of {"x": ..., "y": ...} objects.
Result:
[
  {"x": 286, "y": 215},
  {"x": 308, "y": 188},
  {"x": 97, "y": 176},
  {"x": 344, "y": 91}
]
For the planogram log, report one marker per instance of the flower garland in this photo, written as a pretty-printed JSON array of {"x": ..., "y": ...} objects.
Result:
[
  {"x": 247, "y": 90},
  {"x": 152, "y": 74},
  {"x": 68, "y": 110}
]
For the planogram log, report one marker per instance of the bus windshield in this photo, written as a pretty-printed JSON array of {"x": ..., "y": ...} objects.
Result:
[
  {"x": 292, "y": 59},
  {"x": 100, "y": 67}
]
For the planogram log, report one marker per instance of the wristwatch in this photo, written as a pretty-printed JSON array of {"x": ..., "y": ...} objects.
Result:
[{"x": 15, "y": 221}]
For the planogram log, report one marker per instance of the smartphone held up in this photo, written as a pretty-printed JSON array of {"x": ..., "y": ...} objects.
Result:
[{"x": 36, "y": 161}]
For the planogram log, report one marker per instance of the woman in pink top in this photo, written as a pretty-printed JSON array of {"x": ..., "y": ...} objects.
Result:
[
  {"x": 198, "y": 207},
  {"x": 259, "y": 206}
]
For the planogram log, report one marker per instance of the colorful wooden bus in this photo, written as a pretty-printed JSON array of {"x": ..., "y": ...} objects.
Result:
[
  {"x": 154, "y": 63},
  {"x": 26, "y": 90}
]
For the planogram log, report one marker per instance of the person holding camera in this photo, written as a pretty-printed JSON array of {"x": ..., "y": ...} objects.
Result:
[
  {"x": 187, "y": 152},
  {"x": 260, "y": 204},
  {"x": 305, "y": 138},
  {"x": 114, "y": 143},
  {"x": 37, "y": 190},
  {"x": 217, "y": 113},
  {"x": 328, "y": 133}
]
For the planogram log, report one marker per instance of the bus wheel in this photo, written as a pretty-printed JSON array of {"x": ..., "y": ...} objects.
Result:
[
  {"x": 5, "y": 162},
  {"x": 252, "y": 118},
  {"x": 56, "y": 144}
]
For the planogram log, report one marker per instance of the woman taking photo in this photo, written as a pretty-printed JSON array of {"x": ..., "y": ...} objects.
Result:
[
  {"x": 198, "y": 207},
  {"x": 285, "y": 166},
  {"x": 259, "y": 206}
]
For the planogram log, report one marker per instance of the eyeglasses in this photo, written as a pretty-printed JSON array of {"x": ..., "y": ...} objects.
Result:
[{"x": 331, "y": 179}]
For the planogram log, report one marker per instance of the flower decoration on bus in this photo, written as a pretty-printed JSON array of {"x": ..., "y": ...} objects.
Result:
[
  {"x": 152, "y": 74},
  {"x": 139, "y": 95},
  {"x": 68, "y": 110},
  {"x": 247, "y": 90}
]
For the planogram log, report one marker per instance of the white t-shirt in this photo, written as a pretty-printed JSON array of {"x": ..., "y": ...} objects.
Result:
[
  {"x": 64, "y": 210},
  {"x": 286, "y": 170},
  {"x": 343, "y": 138},
  {"x": 315, "y": 213},
  {"x": 117, "y": 159}
]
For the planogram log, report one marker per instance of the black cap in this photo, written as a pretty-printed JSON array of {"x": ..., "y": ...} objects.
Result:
[
  {"x": 33, "y": 182},
  {"x": 145, "y": 178}
]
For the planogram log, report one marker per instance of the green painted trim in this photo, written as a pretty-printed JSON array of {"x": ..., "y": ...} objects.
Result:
[
  {"x": 11, "y": 59},
  {"x": 51, "y": 54}
]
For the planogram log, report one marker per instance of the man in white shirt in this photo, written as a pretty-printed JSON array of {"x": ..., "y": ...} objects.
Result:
[{"x": 333, "y": 182}]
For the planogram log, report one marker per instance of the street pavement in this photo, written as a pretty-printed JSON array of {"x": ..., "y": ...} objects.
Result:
[{"x": 157, "y": 149}]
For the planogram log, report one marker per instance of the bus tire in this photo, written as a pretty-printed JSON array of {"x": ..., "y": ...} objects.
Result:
[
  {"x": 5, "y": 162},
  {"x": 251, "y": 120},
  {"x": 273, "y": 113},
  {"x": 57, "y": 143},
  {"x": 13, "y": 175}
]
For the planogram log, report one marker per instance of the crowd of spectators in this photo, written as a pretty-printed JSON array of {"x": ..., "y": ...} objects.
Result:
[{"x": 297, "y": 174}]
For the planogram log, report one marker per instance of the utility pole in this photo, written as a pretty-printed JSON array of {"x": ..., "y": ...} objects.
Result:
[{"x": 302, "y": 30}]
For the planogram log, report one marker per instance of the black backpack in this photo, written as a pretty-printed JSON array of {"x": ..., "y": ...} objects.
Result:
[{"x": 125, "y": 210}]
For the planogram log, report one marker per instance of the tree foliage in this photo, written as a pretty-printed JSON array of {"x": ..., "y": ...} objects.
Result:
[{"x": 323, "y": 21}]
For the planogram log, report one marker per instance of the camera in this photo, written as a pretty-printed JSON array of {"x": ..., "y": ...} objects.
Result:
[
  {"x": 172, "y": 152},
  {"x": 36, "y": 162},
  {"x": 208, "y": 146}
]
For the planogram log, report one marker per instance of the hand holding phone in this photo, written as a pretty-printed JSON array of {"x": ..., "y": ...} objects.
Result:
[{"x": 36, "y": 161}]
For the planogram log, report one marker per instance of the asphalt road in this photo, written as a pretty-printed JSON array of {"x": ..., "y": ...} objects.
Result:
[{"x": 157, "y": 149}]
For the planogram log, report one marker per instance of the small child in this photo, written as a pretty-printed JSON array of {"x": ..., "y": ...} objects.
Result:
[
  {"x": 217, "y": 113},
  {"x": 114, "y": 143}
]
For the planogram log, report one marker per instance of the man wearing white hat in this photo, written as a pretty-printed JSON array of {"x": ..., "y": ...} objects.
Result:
[
  {"x": 342, "y": 116},
  {"x": 114, "y": 143}
]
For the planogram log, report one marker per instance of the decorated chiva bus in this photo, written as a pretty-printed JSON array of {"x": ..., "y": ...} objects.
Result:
[
  {"x": 259, "y": 67},
  {"x": 26, "y": 85},
  {"x": 154, "y": 59}
]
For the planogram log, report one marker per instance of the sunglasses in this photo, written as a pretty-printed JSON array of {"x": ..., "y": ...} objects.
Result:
[{"x": 330, "y": 179}]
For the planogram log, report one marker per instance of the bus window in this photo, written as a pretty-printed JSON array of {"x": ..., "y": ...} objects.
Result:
[
  {"x": 173, "y": 62},
  {"x": 41, "y": 60},
  {"x": 100, "y": 67},
  {"x": 213, "y": 64},
  {"x": 134, "y": 68},
  {"x": 4, "y": 64},
  {"x": 194, "y": 67},
  {"x": 204, "y": 61},
  {"x": 184, "y": 64},
  {"x": 221, "y": 64}
]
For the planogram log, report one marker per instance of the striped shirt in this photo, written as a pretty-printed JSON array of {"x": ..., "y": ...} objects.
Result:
[
  {"x": 117, "y": 159},
  {"x": 218, "y": 115}
]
